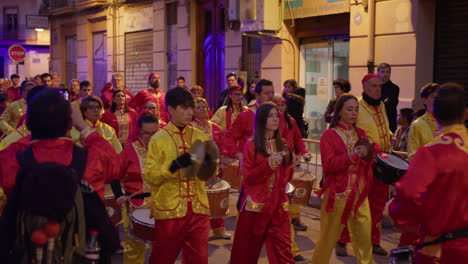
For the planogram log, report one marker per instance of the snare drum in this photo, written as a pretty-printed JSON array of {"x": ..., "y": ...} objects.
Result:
[
  {"x": 303, "y": 180},
  {"x": 290, "y": 190},
  {"x": 114, "y": 211},
  {"x": 218, "y": 197},
  {"x": 389, "y": 168},
  {"x": 231, "y": 174},
  {"x": 141, "y": 225}
]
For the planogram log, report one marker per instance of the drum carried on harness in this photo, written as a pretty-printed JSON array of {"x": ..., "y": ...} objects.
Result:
[
  {"x": 389, "y": 168},
  {"x": 114, "y": 211},
  {"x": 303, "y": 180},
  {"x": 218, "y": 197},
  {"x": 141, "y": 225},
  {"x": 231, "y": 173}
]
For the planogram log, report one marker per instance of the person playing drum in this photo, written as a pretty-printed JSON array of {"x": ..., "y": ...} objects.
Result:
[
  {"x": 347, "y": 184},
  {"x": 293, "y": 138},
  {"x": 263, "y": 203},
  {"x": 227, "y": 114},
  {"x": 213, "y": 132},
  {"x": 133, "y": 159},
  {"x": 178, "y": 204},
  {"x": 431, "y": 196}
]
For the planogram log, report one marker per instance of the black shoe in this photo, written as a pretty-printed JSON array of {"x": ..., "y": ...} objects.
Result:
[
  {"x": 300, "y": 259},
  {"x": 298, "y": 225},
  {"x": 340, "y": 249},
  {"x": 378, "y": 250}
]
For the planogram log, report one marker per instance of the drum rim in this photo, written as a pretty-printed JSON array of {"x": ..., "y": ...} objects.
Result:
[
  {"x": 227, "y": 187},
  {"x": 380, "y": 160},
  {"x": 139, "y": 221}
]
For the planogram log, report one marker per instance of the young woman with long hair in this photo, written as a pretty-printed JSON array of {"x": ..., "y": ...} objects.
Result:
[
  {"x": 263, "y": 203},
  {"x": 346, "y": 186},
  {"x": 226, "y": 114}
]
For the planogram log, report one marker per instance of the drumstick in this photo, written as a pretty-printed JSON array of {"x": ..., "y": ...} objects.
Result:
[{"x": 136, "y": 193}]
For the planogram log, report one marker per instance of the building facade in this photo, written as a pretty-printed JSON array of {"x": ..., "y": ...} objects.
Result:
[
  {"x": 313, "y": 42},
  {"x": 14, "y": 16}
]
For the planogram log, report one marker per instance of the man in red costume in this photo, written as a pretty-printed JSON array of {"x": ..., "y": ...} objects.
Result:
[
  {"x": 436, "y": 168},
  {"x": 49, "y": 126},
  {"x": 14, "y": 90},
  {"x": 117, "y": 84},
  {"x": 243, "y": 127},
  {"x": 153, "y": 94}
]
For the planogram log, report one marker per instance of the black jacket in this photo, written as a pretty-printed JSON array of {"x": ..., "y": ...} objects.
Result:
[{"x": 390, "y": 93}]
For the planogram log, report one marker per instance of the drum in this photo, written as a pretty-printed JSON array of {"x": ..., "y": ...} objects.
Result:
[
  {"x": 303, "y": 180},
  {"x": 114, "y": 211},
  {"x": 141, "y": 225},
  {"x": 389, "y": 168},
  {"x": 218, "y": 197},
  {"x": 232, "y": 175},
  {"x": 289, "y": 190}
]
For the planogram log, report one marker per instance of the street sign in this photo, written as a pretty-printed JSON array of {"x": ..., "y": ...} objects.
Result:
[{"x": 16, "y": 53}]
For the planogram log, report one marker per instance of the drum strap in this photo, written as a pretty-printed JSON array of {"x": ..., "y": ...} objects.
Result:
[{"x": 457, "y": 234}]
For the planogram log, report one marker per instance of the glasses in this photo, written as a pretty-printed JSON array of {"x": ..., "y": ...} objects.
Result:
[
  {"x": 94, "y": 107},
  {"x": 150, "y": 108}
]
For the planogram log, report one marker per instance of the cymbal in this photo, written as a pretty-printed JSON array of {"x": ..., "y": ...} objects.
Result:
[
  {"x": 210, "y": 164},
  {"x": 197, "y": 154}
]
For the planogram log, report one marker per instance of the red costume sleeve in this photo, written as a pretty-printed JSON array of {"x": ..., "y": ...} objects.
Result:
[
  {"x": 331, "y": 161},
  {"x": 297, "y": 135},
  {"x": 237, "y": 134},
  {"x": 217, "y": 135},
  {"x": 255, "y": 166}
]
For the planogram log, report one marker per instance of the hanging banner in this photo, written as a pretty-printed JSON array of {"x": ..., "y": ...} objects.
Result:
[{"x": 307, "y": 8}]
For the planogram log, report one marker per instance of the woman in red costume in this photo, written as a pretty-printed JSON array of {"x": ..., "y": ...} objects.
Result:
[
  {"x": 263, "y": 203},
  {"x": 121, "y": 118},
  {"x": 346, "y": 186}
]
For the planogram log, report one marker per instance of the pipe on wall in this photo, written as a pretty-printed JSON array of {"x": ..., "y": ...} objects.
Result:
[{"x": 371, "y": 36}]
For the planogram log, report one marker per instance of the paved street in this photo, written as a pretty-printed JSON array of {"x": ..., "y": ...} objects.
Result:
[{"x": 219, "y": 250}]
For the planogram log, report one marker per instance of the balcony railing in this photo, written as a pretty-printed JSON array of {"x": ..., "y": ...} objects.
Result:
[
  {"x": 57, "y": 4},
  {"x": 21, "y": 33}
]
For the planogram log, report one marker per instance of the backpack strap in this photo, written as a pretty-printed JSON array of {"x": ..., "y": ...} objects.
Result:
[
  {"x": 79, "y": 160},
  {"x": 26, "y": 158}
]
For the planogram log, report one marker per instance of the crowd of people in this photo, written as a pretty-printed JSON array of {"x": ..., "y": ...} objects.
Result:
[{"x": 137, "y": 146}]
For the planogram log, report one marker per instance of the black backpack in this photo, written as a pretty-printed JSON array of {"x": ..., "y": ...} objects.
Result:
[{"x": 50, "y": 192}]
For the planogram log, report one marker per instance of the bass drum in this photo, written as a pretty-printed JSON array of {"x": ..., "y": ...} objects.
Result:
[
  {"x": 218, "y": 197},
  {"x": 389, "y": 168}
]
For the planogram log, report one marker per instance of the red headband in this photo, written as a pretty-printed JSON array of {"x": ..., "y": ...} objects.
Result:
[
  {"x": 197, "y": 89},
  {"x": 235, "y": 89},
  {"x": 280, "y": 101},
  {"x": 153, "y": 75},
  {"x": 368, "y": 77}
]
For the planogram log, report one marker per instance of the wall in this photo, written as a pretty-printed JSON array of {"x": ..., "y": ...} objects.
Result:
[{"x": 399, "y": 26}]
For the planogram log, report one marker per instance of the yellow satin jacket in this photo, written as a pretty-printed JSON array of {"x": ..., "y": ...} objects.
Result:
[
  {"x": 374, "y": 121},
  {"x": 171, "y": 192},
  {"x": 422, "y": 131},
  {"x": 106, "y": 131},
  {"x": 11, "y": 116}
]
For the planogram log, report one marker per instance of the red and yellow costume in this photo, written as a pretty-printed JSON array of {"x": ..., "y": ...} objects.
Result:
[
  {"x": 225, "y": 117},
  {"x": 436, "y": 179},
  {"x": 264, "y": 206},
  {"x": 133, "y": 159},
  {"x": 18, "y": 134},
  {"x": 151, "y": 95},
  {"x": 14, "y": 93},
  {"x": 103, "y": 129},
  {"x": 102, "y": 165},
  {"x": 178, "y": 204},
  {"x": 11, "y": 116},
  {"x": 212, "y": 131},
  {"x": 422, "y": 131},
  {"x": 373, "y": 120},
  {"x": 106, "y": 97},
  {"x": 124, "y": 124},
  {"x": 345, "y": 189}
]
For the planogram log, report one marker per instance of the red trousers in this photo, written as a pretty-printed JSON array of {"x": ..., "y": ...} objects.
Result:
[
  {"x": 189, "y": 233},
  {"x": 248, "y": 242},
  {"x": 217, "y": 223},
  {"x": 378, "y": 196},
  {"x": 408, "y": 238}
]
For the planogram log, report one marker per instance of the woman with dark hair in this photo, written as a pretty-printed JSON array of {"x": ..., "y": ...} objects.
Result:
[
  {"x": 295, "y": 100},
  {"x": 213, "y": 132},
  {"x": 341, "y": 86},
  {"x": 121, "y": 118},
  {"x": 92, "y": 108},
  {"x": 347, "y": 184},
  {"x": 249, "y": 93},
  {"x": 226, "y": 114},
  {"x": 401, "y": 134},
  {"x": 263, "y": 203}
]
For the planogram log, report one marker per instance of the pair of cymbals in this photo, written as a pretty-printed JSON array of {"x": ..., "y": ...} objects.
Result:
[{"x": 205, "y": 160}]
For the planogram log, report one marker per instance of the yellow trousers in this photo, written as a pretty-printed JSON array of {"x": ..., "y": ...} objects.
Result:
[
  {"x": 294, "y": 247},
  {"x": 295, "y": 210},
  {"x": 331, "y": 228},
  {"x": 134, "y": 251}
]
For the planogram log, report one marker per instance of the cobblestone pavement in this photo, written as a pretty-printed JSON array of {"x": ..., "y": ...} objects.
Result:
[{"x": 219, "y": 250}]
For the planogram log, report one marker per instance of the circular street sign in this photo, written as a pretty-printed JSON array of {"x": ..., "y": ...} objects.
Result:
[{"x": 17, "y": 53}]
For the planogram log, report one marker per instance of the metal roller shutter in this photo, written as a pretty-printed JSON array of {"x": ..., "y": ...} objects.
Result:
[
  {"x": 451, "y": 48},
  {"x": 138, "y": 59}
]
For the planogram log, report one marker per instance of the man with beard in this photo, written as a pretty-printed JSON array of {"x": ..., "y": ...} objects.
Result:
[
  {"x": 151, "y": 94},
  {"x": 117, "y": 84}
]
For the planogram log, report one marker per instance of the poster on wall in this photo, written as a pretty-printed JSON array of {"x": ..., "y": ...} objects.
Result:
[
  {"x": 322, "y": 88},
  {"x": 308, "y": 8}
]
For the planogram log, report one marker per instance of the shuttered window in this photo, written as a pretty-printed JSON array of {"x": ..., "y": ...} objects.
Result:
[
  {"x": 99, "y": 61},
  {"x": 451, "y": 42},
  {"x": 138, "y": 59}
]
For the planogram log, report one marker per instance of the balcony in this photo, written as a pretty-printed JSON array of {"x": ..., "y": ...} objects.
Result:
[
  {"x": 60, "y": 7},
  {"x": 84, "y": 4}
]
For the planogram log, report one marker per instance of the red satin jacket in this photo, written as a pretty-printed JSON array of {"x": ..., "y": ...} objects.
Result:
[{"x": 144, "y": 96}]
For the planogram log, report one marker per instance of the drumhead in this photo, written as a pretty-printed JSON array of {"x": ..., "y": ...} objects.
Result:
[
  {"x": 218, "y": 186},
  {"x": 142, "y": 215},
  {"x": 393, "y": 161},
  {"x": 289, "y": 188}
]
